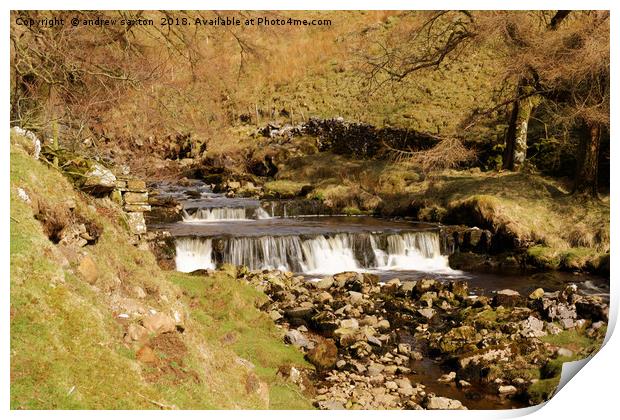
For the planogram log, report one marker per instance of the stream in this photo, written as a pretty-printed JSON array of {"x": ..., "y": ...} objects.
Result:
[{"x": 242, "y": 231}]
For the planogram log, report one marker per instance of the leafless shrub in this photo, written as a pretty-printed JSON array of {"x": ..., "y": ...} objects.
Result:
[{"x": 447, "y": 154}]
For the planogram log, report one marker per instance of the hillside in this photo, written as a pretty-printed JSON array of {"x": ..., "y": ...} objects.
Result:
[{"x": 76, "y": 312}]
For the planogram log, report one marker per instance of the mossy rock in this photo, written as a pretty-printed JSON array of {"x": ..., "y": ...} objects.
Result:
[
  {"x": 543, "y": 257},
  {"x": 286, "y": 189}
]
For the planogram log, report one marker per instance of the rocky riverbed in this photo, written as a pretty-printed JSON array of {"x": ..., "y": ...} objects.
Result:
[{"x": 374, "y": 344}]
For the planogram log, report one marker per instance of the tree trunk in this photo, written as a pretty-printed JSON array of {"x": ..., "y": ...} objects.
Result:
[
  {"x": 516, "y": 139},
  {"x": 586, "y": 177}
]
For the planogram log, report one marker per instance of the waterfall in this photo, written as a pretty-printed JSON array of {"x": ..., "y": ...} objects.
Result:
[
  {"x": 413, "y": 251},
  {"x": 193, "y": 254},
  {"x": 265, "y": 253},
  {"x": 320, "y": 254},
  {"x": 329, "y": 255},
  {"x": 215, "y": 214},
  {"x": 261, "y": 214}
]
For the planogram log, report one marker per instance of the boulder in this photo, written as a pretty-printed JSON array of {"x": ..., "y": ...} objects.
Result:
[
  {"x": 297, "y": 339},
  {"x": 99, "y": 179},
  {"x": 532, "y": 327},
  {"x": 159, "y": 323},
  {"x": 88, "y": 269},
  {"x": 506, "y": 390},
  {"x": 137, "y": 333},
  {"x": 324, "y": 355},
  {"x": 324, "y": 283},
  {"x": 443, "y": 403},
  {"x": 427, "y": 313},
  {"x": 537, "y": 294},
  {"x": 507, "y": 298}
]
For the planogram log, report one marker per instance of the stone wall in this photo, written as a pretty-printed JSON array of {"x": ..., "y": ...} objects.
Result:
[{"x": 133, "y": 196}]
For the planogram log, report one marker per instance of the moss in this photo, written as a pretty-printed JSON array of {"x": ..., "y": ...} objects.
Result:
[
  {"x": 542, "y": 390},
  {"x": 286, "y": 188},
  {"x": 572, "y": 339},
  {"x": 543, "y": 257}
]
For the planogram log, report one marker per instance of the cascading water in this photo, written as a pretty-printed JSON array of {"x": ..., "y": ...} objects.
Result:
[
  {"x": 261, "y": 214},
  {"x": 193, "y": 254},
  {"x": 320, "y": 254},
  {"x": 413, "y": 251},
  {"x": 215, "y": 214}
]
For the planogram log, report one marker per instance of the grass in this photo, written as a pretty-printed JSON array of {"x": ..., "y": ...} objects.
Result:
[
  {"x": 67, "y": 346},
  {"x": 226, "y": 310},
  {"x": 572, "y": 340}
]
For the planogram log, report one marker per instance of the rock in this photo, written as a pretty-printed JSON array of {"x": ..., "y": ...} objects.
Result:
[
  {"x": 447, "y": 377},
  {"x": 537, "y": 294},
  {"x": 404, "y": 348},
  {"x": 159, "y": 323},
  {"x": 383, "y": 325},
  {"x": 407, "y": 287},
  {"x": 369, "y": 320},
  {"x": 532, "y": 327},
  {"x": 443, "y": 403},
  {"x": 356, "y": 297},
  {"x": 507, "y": 298},
  {"x": 141, "y": 208},
  {"x": 300, "y": 312},
  {"x": 507, "y": 390},
  {"x": 425, "y": 285},
  {"x": 139, "y": 292},
  {"x": 341, "y": 364},
  {"x": 99, "y": 179},
  {"x": 428, "y": 298},
  {"x": 592, "y": 310},
  {"x": 427, "y": 313},
  {"x": 88, "y": 270},
  {"x": 136, "y": 223},
  {"x": 553, "y": 329},
  {"x": 391, "y": 385},
  {"x": 464, "y": 384},
  {"x": 275, "y": 315},
  {"x": 349, "y": 324},
  {"x": 331, "y": 405},
  {"x": 137, "y": 333},
  {"x": 404, "y": 386},
  {"x": 567, "y": 323},
  {"x": 324, "y": 283},
  {"x": 296, "y": 338},
  {"x": 324, "y": 355},
  {"x": 137, "y": 185},
  {"x": 325, "y": 297},
  {"x": 563, "y": 352},
  {"x": 459, "y": 288}
]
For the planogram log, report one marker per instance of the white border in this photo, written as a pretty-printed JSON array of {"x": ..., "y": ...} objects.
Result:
[{"x": 593, "y": 394}]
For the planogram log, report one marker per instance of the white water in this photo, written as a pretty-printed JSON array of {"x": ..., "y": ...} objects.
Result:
[
  {"x": 215, "y": 214},
  {"x": 193, "y": 254},
  {"x": 419, "y": 251},
  {"x": 329, "y": 255},
  {"x": 261, "y": 214}
]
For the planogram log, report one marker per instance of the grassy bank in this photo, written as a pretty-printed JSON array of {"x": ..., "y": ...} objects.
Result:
[{"x": 69, "y": 348}]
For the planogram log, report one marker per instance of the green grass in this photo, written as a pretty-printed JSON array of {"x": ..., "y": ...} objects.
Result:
[
  {"x": 225, "y": 308},
  {"x": 67, "y": 348},
  {"x": 571, "y": 339}
]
